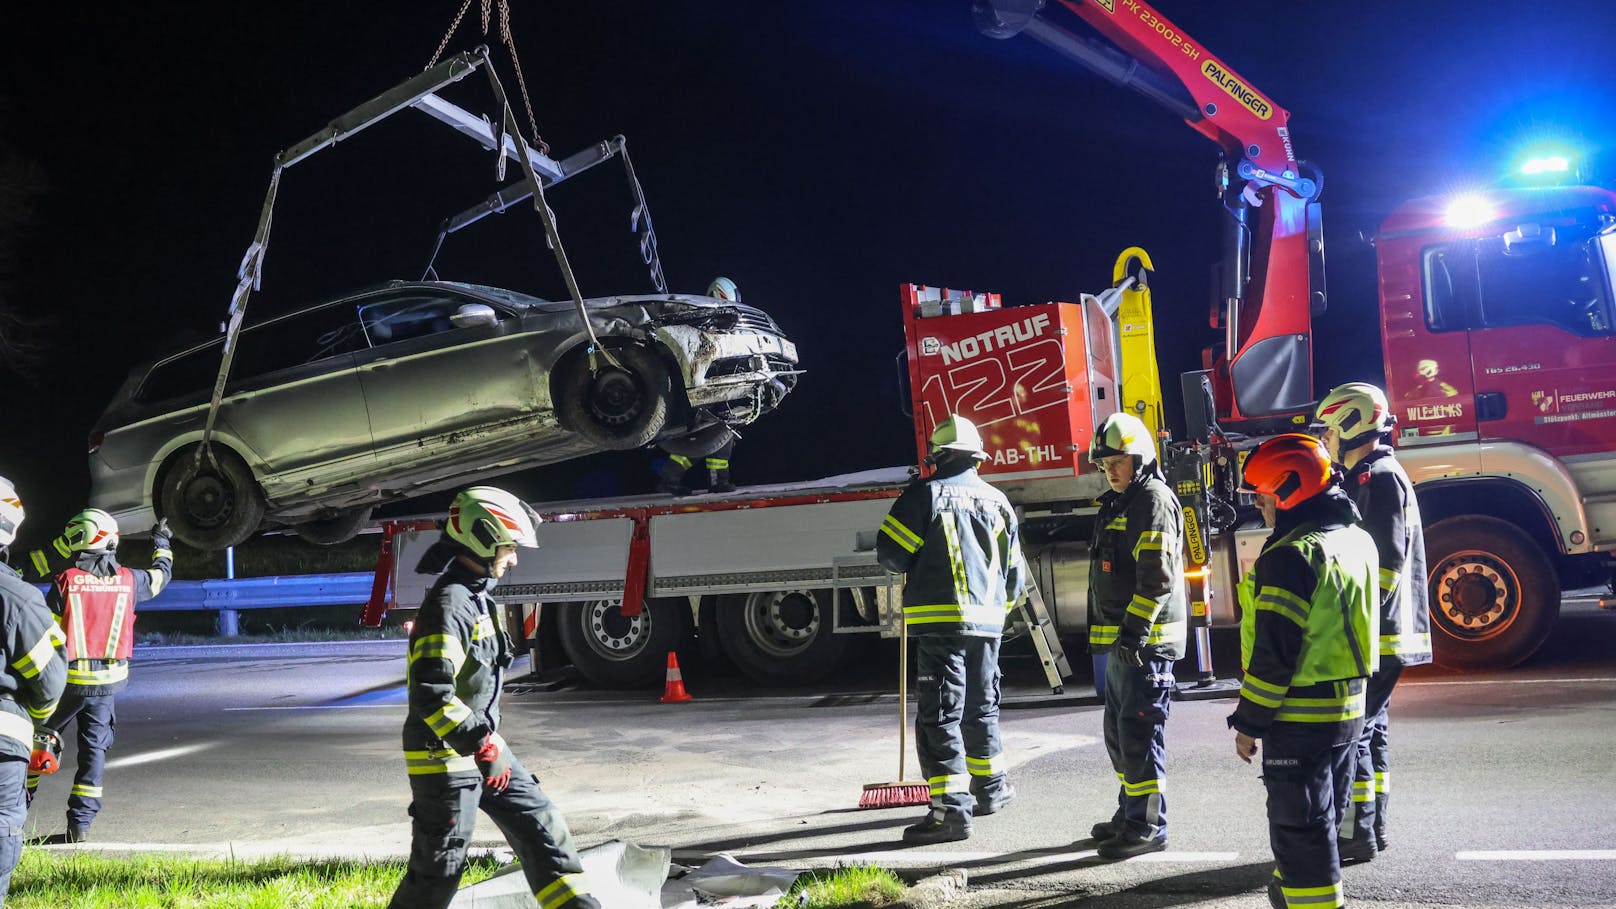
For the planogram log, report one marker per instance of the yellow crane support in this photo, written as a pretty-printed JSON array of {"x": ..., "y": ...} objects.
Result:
[{"x": 1139, "y": 377}]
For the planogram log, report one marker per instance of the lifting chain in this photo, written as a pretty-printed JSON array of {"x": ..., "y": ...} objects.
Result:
[{"x": 509, "y": 40}]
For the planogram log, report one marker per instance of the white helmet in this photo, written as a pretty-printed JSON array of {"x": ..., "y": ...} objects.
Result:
[
  {"x": 484, "y": 518},
  {"x": 1122, "y": 434},
  {"x": 11, "y": 513},
  {"x": 1358, "y": 412},
  {"x": 724, "y": 289},
  {"x": 958, "y": 434},
  {"x": 91, "y": 530}
]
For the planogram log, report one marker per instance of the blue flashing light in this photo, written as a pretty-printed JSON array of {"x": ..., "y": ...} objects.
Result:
[{"x": 1549, "y": 164}]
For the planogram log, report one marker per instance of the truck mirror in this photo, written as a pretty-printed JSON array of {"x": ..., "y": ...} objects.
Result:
[
  {"x": 474, "y": 314},
  {"x": 1527, "y": 239}
]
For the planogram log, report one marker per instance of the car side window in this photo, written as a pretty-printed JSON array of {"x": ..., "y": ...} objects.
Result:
[
  {"x": 304, "y": 337},
  {"x": 186, "y": 374},
  {"x": 412, "y": 317}
]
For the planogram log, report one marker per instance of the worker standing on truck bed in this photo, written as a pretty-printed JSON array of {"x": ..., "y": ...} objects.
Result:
[
  {"x": 1357, "y": 432},
  {"x": 95, "y": 599},
  {"x": 453, "y": 752},
  {"x": 1307, "y": 642},
  {"x": 956, "y": 540},
  {"x": 1136, "y": 615}
]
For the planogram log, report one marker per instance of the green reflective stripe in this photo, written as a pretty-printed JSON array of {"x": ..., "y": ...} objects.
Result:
[
  {"x": 1143, "y": 607},
  {"x": 437, "y": 760},
  {"x": 1383, "y": 781},
  {"x": 32, "y": 782},
  {"x": 1120, "y": 522},
  {"x": 1261, "y": 693},
  {"x": 38, "y": 656},
  {"x": 76, "y": 607},
  {"x": 1399, "y": 644},
  {"x": 1103, "y": 635},
  {"x": 973, "y": 613},
  {"x": 900, "y": 534},
  {"x": 956, "y": 560},
  {"x": 449, "y": 717},
  {"x": 681, "y": 460},
  {"x": 1388, "y": 579},
  {"x": 116, "y": 631},
  {"x": 563, "y": 889},
  {"x": 717, "y": 463},
  {"x": 86, "y": 791},
  {"x": 1168, "y": 632},
  {"x": 158, "y": 579},
  {"x": 950, "y": 784},
  {"x": 80, "y": 672},
  {"x": 440, "y": 647},
  {"x": 1143, "y": 787},
  {"x": 483, "y": 630},
  {"x": 1150, "y": 539},
  {"x": 1321, "y": 710},
  {"x": 41, "y": 565},
  {"x": 1329, "y": 895},
  {"x": 1363, "y": 790},
  {"x": 1283, "y": 602},
  {"x": 15, "y": 727},
  {"x": 990, "y": 766}
]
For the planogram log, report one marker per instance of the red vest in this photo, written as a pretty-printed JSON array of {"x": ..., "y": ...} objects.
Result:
[{"x": 98, "y": 614}]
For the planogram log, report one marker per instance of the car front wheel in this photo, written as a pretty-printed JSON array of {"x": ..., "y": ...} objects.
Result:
[
  {"x": 619, "y": 406},
  {"x": 211, "y": 504}
]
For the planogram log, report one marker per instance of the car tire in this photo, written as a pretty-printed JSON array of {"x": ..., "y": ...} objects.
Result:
[
  {"x": 338, "y": 528},
  {"x": 614, "y": 651},
  {"x": 698, "y": 444},
  {"x": 1494, "y": 596},
  {"x": 618, "y": 407},
  {"x": 211, "y": 505},
  {"x": 782, "y": 637}
]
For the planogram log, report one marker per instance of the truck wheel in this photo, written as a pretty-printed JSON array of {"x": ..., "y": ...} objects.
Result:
[
  {"x": 618, "y": 407},
  {"x": 615, "y": 651},
  {"x": 782, "y": 637},
  {"x": 211, "y": 505},
  {"x": 339, "y": 527},
  {"x": 1494, "y": 596}
]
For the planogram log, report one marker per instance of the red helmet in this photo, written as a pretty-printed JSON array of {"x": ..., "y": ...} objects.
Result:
[{"x": 1292, "y": 468}]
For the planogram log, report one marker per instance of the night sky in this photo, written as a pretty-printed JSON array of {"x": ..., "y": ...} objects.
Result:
[{"x": 819, "y": 153}]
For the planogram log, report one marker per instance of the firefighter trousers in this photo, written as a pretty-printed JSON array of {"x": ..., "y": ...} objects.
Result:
[
  {"x": 1307, "y": 769},
  {"x": 1137, "y": 701},
  {"x": 13, "y": 812},
  {"x": 443, "y": 809},
  {"x": 957, "y": 725},
  {"x": 1364, "y": 814},
  {"x": 97, "y": 720}
]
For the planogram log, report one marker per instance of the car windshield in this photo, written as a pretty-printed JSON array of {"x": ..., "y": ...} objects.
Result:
[{"x": 499, "y": 293}]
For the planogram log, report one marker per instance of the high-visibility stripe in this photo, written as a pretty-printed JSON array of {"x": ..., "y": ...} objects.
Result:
[
  {"x": 1282, "y": 602},
  {"x": 18, "y": 728},
  {"x": 562, "y": 890},
  {"x": 1388, "y": 579},
  {"x": 950, "y": 784},
  {"x": 1150, "y": 539},
  {"x": 956, "y": 559},
  {"x": 437, "y": 760},
  {"x": 1173, "y": 632},
  {"x": 1120, "y": 522},
  {"x": 116, "y": 631},
  {"x": 1321, "y": 710},
  {"x": 76, "y": 607},
  {"x": 1261, "y": 693},
  {"x": 84, "y": 790},
  {"x": 39, "y": 655},
  {"x": 1307, "y": 897},
  {"x": 448, "y": 718},
  {"x": 989, "y": 766},
  {"x": 1143, "y": 607},
  {"x": 1363, "y": 790},
  {"x": 973, "y": 613},
  {"x": 1399, "y": 644},
  {"x": 1144, "y": 787},
  {"x": 717, "y": 463},
  {"x": 440, "y": 646},
  {"x": 1383, "y": 781},
  {"x": 159, "y": 580},
  {"x": 41, "y": 565},
  {"x": 681, "y": 460},
  {"x": 900, "y": 534},
  {"x": 43, "y": 712},
  {"x": 81, "y": 672}
]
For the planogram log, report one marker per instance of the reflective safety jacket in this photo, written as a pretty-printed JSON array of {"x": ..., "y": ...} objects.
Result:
[
  {"x": 1136, "y": 570},
  {"x": 1308, "y": 634},
  {"x": 1391, "y": 515},
  {"x": 95, "y": 600},
  {"x": 458, "y": 652},
  {"x": 35, "y": 668},
  {"x": 955, "y": 538}
]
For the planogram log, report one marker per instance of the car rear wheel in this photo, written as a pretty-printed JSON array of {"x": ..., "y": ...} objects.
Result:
[
  {"x": 340, "y": 527},
  {"x": 617, "y": 651},
  {"x": 617, "y": 407},
  {"x": 213, "y": 504}
]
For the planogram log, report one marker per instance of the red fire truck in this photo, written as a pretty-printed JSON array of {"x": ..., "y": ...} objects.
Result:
[{"x": 1497, "y": 327}]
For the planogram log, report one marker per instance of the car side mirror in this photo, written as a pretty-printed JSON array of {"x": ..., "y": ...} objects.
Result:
[
  {"x": 472, "y": 315},
  {"x": 1528, "y": 239}
]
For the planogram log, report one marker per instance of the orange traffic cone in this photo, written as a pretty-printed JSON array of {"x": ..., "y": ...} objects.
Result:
[{"x": 673, "y": 691}]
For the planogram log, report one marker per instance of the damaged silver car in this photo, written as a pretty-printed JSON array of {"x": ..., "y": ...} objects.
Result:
[{"x": 417, "y": 387}]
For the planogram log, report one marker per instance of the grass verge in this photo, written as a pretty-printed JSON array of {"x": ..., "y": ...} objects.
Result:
[
  {"x": 46, "y": 879},
  {"x": 853, "y": 887}
]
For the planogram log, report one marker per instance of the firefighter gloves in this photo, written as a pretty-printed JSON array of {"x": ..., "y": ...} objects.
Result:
[
  {"x": 1129, "y": 653},
  {"x": 494, "y": 763}
]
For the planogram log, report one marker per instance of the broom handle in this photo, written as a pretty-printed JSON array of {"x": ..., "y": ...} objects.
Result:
[{"x": 903, "y": 698}]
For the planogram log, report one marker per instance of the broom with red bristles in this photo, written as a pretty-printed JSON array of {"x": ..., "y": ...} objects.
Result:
[{"x": 903, "y": 793}]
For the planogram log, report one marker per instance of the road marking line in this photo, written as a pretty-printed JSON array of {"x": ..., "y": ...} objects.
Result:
[
  {"x": 162, "y": 754},
  {"x": 1539, "y": 855}
]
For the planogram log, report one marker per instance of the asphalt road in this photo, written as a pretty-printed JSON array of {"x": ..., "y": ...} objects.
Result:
[{"x": 1503, "y": 788}]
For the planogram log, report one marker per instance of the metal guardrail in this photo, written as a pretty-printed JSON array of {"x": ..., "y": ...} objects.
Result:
[{"x": 228, "y": 596}]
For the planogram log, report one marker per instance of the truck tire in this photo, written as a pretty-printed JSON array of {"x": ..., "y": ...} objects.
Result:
[
  {"x": 212, "y": 505},
  {"x": 1494, "y": 595},
  {"x": 618, "y": 407},
  {"x": 782, "y": 637},
  {"x": 614, "y": 651}
]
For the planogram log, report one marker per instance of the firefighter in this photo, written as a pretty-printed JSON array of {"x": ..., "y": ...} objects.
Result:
[
  {"x": 33, "y": 672},
  {"x": 681, "y": 459},
  {"x": 453, "y": 752},
  {"x": 955, "y": 537},
  {"x": 95, "y": 596},
  {"x": 1136, "y": 616},
  {"x": 1357, "y": 433},
  {"x": 1307, "y": 641}
]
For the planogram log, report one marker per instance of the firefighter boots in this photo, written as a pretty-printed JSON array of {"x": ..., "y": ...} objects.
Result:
[
  {"x": 997, "y": 801},
  {"x": 1127, "y": 845},
  {"x": 947, "y": 829}
]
